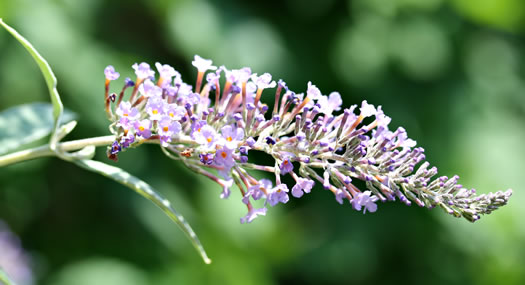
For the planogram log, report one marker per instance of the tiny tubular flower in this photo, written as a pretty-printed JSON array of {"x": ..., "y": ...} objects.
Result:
[
  {"x": 365, "y": 201},
  {"x": 278, "y": 194},
  {"x": 156, "y": 109},
  {"x": 286, "y": 166},
  {"x": 202, "y": 64},
  {"x": 303, "y": 185},
  {"x": 206, "y": 136},
  {"x": 143, "y": 70},
  {"x": 150, "y": 90},
  {"x": 257, "y": 191},
  {"x": 175, "y": 112},
  {"x": 263, "y": 81},
  {"x": 231, "y": 136},
  {"x": 252, "y": 214},
  {"x": 166, "y": 72},
  {"x": 143, "y": 128},
  {"x": 110, "y": 73}
]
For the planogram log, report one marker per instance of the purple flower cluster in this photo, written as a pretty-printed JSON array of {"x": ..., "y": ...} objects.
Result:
[{"x": 212, "y": 130}]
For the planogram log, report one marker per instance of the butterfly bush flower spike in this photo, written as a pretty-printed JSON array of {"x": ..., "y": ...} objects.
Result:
[{"x": 215, "y": 130}]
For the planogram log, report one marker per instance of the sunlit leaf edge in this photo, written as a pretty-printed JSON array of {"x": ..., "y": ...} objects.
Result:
[
  {"x": 147, "y": 192},
  {"x": 49, "y": 77}
]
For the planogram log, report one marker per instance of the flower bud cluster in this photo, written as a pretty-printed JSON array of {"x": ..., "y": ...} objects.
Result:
[{"x": 212, "y": 126}]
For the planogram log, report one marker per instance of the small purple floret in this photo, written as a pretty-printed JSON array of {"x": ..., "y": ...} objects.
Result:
[
  {"x": 365, "y": 201},
  {"x": 110, "y": 73},
  {"x": 302, "y": 186}
]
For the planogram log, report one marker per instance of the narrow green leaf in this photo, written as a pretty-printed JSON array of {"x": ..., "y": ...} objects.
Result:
[
  {"x": 4, "y": 279},
  {"x": 26, "y": 123},
  {"x": 49, "y": 76},
  {"x": 147, "y": 192}
]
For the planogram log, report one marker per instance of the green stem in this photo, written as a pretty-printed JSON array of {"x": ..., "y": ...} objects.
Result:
[{"x": 45, "y": 150}]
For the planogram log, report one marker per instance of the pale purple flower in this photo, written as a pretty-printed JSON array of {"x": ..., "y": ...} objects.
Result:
[
  {"x": 242, "y": 74},
  {"x": 251, "y": 141},
  {"x": 190, "y": 98},
  {"x": 382, "y": 119},
  {"x": 167, "y": 129},
  {"x": 251, "y": 88},
  {"x": 185, "y": 90},
  {"x": 382, "y": 124},
  {"x": 150, "y": 90},
  {"x": 340, "y": 195},
  {"x": 156, "y": 108},
  {"x": 202, "y": 64},
  {"x": 286, "y": 166},
  {"x": 226, "y": 189},
  {"x": 196, "y": 128},
  {"x": 224, "y": 157},
  {"x": 263, "y": 81},
  {"x": 403, "y": 140},
  {"x": 143, "y": 128},
  {"x": 252, "y": 214},
  {"x": 206, "y": 136},
  {"x": 143, "y": 70},
  {"x": 367, "y": 110},
  {"x": 213, "y": 78},
  {"x": 330, "y": 103},
  {"x": 256, "y": 191},
  {"x": 170, "y": 90},
  {"x": 313, "y": 92},
  {"x": 303, "y": 185},
  {"x": 125, "y": 110},
  {"x": 230, "y": 75},
  {"x": 127, "y": 115},
  {"x": 278, "y": 194},
  {"x": 231, "y": 136},
  {"x": 166, "y": 72},
  {"x": 175, "y": 112},
  {"x": 110, "y": 73},
  {"x": 365, "y": 200}
]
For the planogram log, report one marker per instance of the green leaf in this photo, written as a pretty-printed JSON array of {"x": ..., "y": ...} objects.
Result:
[
  {"x": 147, "y": 192},
  {"x": 49, "y": 76},
  {"x": 26, "y": 123},
  {"x": 4, "y": 279}
]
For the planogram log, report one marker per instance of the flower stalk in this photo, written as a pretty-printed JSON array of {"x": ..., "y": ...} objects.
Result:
[{"x": 302, "y": 133}]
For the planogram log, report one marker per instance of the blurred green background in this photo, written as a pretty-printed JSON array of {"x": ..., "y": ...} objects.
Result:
[{"x": 450, "y": 72}]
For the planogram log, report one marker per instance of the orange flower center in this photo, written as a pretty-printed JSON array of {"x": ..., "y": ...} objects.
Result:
[
  {"x": 224, "y": 154},
  {"x": 229, "y": 139},
  {"x": 141, "y": 128},
  {"x": 155, "y": 111},
  {"x": 209, "y": 139},
  {"x": 165, "y": 129}
]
